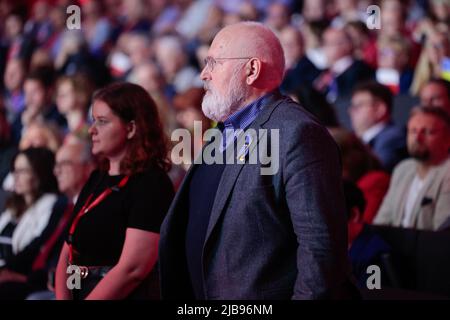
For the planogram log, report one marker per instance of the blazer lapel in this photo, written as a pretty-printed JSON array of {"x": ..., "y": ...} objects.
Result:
[
  {"x": 430, "y": 190},
  {"x": 226, "y": 184},
  {"x": 403, "y": 195},
  {"x": 418, "y": 202},
  {"x": 235, "y": 166}
]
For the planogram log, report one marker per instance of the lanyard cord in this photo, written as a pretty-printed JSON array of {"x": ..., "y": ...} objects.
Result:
[{"x": 88, "y": 205}]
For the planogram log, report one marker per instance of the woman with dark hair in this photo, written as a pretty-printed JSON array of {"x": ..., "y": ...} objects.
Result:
[
  {"x": 113, "y": 240},
  {"x": 32, "y": 212}
]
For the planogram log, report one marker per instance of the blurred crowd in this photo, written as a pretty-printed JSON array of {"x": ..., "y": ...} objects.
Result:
[{"x": 334, "y": 62}]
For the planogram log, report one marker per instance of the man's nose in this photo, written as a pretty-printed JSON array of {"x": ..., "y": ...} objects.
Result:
[
  {"x": 420, "y": 136},
  {"x": 92, "y": 129},
  {"x": 205, "y": 74},
  {"x": 426, "y": 101}
]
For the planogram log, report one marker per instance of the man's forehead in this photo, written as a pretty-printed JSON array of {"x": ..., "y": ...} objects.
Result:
[
  {"x": 425, "y": 120},
  {"x": 360, "y": 95},
  {"x": 221, "y": 43},
  {"x": 437, "y": 88},
  {"x": 67, "y": 153},
  {"x": 231, "y": 40},
  {"x": 334, "y": 34}
]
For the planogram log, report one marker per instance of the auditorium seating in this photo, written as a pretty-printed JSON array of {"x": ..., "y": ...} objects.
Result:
[{"x": 418, "y": 266}]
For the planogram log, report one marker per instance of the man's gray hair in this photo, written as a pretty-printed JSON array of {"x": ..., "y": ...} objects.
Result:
[{"x": 83, "y": 147}]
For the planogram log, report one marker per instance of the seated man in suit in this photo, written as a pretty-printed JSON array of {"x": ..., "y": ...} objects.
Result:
[
  {"x": 370, "y": 114},
  {"x": 419, "y": 193},
  {"x": 233, "y": 232},
  {"x": 344, "y": 71},
  {"x": 300, "y": 71}
]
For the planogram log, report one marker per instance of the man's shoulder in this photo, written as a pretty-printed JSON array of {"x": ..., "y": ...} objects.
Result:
[
  {"x": 446, "y": 178},
  {"x": 298, "y": 128},
  {"x": 446, "y": 168},
  {"x": 392, "y": 132},
  {"x": 287, "y": 113},
  {"x": 405, "y": 167},
  {"x": 394, "y": 129}
]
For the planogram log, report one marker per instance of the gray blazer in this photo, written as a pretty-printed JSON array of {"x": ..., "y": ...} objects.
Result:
[
  {"x": 432, "y": 206},
  {"x": 276, "y": 236}
]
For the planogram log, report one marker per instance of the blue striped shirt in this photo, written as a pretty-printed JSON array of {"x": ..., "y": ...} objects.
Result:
[{"x": 242, "y": 119}]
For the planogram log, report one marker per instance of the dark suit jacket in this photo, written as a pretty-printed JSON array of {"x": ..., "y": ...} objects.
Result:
[
  {"x": 269, "y": 236},
  {"x": 358, "y": 72},
  {"x": 390, "y": 146},
  {"x": 302, "y": 75}
]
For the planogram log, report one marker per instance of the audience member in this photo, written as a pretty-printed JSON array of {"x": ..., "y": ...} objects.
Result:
[
  {"x": 418, "y": 196},
  {"x": 370, "y": 114},
  {"x": 32, "y": 214},
  {"x": 436, "y": 93},
  {"x": 343, "y": 72}
]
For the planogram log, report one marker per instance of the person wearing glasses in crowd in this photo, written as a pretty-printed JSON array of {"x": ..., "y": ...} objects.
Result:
[
  {"x": 113, "y": 239},
  {"x": 32, "y": 213},
  {"x": 73, "y": 166}
]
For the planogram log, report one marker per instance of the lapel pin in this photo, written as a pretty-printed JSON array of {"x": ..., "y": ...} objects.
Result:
[{"x": 245, "y": 148}]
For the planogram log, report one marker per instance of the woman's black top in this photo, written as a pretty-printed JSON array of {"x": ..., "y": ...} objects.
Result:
[{"x": 141, "y": 204}]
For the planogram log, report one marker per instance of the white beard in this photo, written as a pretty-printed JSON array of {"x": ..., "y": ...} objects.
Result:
[{"x": 219, "y": 108}]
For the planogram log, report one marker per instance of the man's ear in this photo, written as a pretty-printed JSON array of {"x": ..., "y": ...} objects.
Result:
[
  {"x": 253, "y": 70},
  {"x": 131, "y": 128}
]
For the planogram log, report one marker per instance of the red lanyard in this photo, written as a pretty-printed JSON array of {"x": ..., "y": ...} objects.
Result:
[{"x": 88, "y": 206}]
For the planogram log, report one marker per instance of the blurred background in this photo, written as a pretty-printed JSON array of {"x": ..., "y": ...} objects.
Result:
[{"x": 48, "y": 74}]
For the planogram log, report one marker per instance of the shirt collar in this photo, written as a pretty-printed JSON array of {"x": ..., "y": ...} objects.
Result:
[
  {"x": 341, "y": 65},
  {"x": 373, "y": 131},
  {"x": 242, "y": 118}
]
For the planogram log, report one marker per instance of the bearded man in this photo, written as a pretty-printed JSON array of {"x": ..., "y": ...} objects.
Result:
[
  {"x": 419, "y": 192},
  {"x": 235, "y": 233}
]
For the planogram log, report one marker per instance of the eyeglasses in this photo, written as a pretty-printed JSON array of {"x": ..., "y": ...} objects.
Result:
[
  {"x": 424, "y": 131},
  {"x": 63, "y": 164},
  {"x": 99, "y": 122},
  {"x": 387, "y": 52},
  {"x": 21, "y": 171},
  {"x": 359, "y": 105},
  {"x": 211, "y": 62},
  {"x": 437, "y": 46},
  {"x": 334, "y": 43}
]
